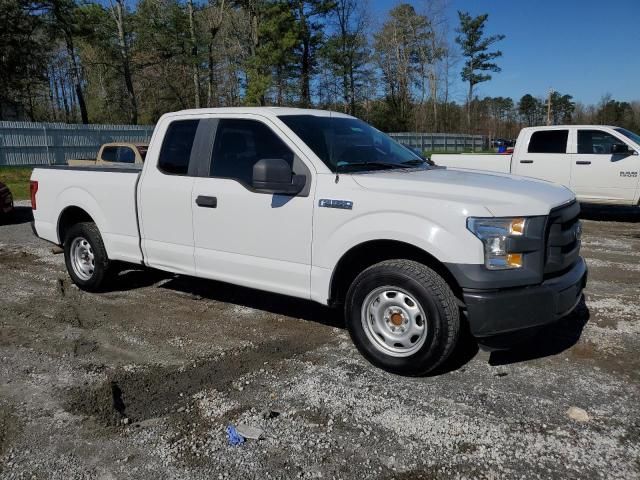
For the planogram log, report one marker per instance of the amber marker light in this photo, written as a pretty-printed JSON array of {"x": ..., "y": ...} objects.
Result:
[
  {"x": 514, "y": 260},
  {"x": 517, "y": 226}
]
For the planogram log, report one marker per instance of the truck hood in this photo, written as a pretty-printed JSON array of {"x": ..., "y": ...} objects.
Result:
[{"x": 501, "y": 194}]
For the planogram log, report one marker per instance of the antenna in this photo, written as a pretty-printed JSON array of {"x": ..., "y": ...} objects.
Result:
[{"x": 549, "y": 106}]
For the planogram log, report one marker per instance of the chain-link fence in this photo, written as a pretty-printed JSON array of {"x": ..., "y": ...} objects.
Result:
[
  {"x": 442, "y": 142},
  {"x": 29, "y": 143}
]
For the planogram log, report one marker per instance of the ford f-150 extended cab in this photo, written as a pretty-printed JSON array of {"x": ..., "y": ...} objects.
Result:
[
  {"x": 319, "y": 205},
  {"x": 599, "y": 163}
]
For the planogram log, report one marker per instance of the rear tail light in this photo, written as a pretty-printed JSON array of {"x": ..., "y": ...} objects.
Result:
[{"x": 33, "y": 188}]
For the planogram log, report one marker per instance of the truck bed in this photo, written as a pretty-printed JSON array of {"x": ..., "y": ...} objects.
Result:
[{"x": 107, "y": 194}]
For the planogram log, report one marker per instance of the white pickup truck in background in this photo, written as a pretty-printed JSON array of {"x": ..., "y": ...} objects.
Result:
[
  {"x": 321, "y": 206},
  {"x": 601, "y": 164}
]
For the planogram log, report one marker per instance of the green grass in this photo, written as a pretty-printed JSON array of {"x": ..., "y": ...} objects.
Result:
[{"x": 17, "y": 179}]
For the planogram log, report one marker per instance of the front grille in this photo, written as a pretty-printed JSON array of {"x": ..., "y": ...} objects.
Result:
[{"x": 563, "y": 234}]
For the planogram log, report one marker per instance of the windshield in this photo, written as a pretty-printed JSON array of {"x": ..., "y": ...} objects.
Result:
[
  {"x": 630, "y": 135},
  {"x": 349, "y": 144}
]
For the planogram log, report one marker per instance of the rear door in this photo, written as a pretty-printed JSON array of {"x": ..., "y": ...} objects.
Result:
[
  {"x": 600, "y": 176},
  {"x": 545, "y": 156},
  {"x": 165, "y": 200},
  {"x": 244, "y": 236}
]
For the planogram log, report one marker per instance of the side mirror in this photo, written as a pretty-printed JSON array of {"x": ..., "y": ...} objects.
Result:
[
  {"x": 620, "y": 149},
  {"x": 274, "y": 175}
]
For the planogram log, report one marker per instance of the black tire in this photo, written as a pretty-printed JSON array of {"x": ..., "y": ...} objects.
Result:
[
  {"x": 101, "y": 265},
  {"x": 432, "y": 293}
]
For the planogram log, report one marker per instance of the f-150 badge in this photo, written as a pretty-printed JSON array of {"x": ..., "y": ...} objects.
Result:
[{"x": 342, "y": 204}]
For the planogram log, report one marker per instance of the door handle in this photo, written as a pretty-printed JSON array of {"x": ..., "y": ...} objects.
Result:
[
  {"x": 526, "y": 161},
  {"x": 206, "y": 202},
  {"x": 583, "y": 162}
]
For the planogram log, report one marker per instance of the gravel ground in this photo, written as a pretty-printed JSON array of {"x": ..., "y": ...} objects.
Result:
[{"x": 142, "y": 381}]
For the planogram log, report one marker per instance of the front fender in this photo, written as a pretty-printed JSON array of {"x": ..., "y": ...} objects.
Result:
[{"x": 438, "y": 240}]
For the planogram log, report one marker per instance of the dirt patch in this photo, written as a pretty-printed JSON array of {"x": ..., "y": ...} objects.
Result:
[
  {"x": 10, "y": 425},
  {"x": 162, "y": 390}
]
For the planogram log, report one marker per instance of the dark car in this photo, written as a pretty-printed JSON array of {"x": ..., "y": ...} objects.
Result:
[{"x": 6, "y": 200}]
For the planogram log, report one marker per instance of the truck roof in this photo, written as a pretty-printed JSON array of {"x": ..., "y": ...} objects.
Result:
[
  {"x": 264, "y": 111},
  {"x": 553, "y": 127},
  {"x": 125, "y": 144}
]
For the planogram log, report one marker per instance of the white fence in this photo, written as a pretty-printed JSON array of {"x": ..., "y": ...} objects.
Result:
[{"x": 29, "y": 143}]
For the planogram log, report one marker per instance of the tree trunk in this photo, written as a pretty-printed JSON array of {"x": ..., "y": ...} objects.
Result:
[
  {"x": 305, "y": 61},
  {"x": 77, "y": 81},
  {"x": 469, "y": 98},
  {"x": 352, "y": 90},
  {"x": 210, "y": 77},
  {"x": 126, "y": 67},
  {"x": 63, "y": 21},
  {"x": 194, "y": 54}
]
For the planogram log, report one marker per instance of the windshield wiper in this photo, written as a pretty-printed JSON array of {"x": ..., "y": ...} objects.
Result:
[{"x": 414, "y": 162}]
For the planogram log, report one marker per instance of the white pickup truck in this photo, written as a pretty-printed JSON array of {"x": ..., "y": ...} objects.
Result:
[
  {"x": 321, "y": 206},
  {"x": 599, "y": 163}
]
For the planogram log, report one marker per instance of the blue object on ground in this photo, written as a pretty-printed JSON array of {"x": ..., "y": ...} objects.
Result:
[{"x": 234, "y": 437}]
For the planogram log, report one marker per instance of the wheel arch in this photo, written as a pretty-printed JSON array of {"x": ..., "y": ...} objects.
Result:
[
  {"x": 70, "y": 216},
  {"x": 368, "y": 253}
]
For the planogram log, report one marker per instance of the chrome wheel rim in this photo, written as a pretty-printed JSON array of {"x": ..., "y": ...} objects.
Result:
[
  {"x": 82, "y": 259},
  {"x": 394, "y": 321}
]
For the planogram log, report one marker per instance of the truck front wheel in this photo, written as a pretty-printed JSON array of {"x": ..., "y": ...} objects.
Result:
[
  {"x": 403, "y": 317},
  {"x": 85, "y": 256}
]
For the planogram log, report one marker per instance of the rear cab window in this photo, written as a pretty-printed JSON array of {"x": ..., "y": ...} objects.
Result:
[
  {"x": 175, "y": 152},
  {"x": 548, "y": 141}
]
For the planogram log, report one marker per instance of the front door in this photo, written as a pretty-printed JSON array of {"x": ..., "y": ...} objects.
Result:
[
  {"x": 243, "y": 236},
  {"x": 599, "y": 175},
  {"x": 545, "y": 157}
]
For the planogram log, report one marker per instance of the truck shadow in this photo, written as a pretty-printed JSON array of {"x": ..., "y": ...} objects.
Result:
[
  {"x": 550, "y": 340},
  {"x": 613, "y": 213},
  {"x": 18, "y": 216},
  {"x": 200, "y": 288}
]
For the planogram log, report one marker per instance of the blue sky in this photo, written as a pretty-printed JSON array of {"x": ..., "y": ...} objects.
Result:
[{"x": 586, "y": 48}]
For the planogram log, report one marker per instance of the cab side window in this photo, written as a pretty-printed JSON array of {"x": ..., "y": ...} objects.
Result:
[
  {"x": 240, "y": 144},
  {"x": 549, "y": 141},
  {"x": 110, "y": 154},
  {"x": 176, "y": 147},
  {"x": 596, "y": 142}
]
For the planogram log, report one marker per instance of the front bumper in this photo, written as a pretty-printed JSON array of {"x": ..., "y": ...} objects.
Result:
[{"x": 504, "y": 313}]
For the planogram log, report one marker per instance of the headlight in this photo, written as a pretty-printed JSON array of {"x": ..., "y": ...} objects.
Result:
[{"x": 494, "y": 232}]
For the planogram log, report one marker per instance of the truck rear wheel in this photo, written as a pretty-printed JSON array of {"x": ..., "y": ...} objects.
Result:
[
  {"x": 85, "y": 256},
  {"x": 403, "y": 317}
]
